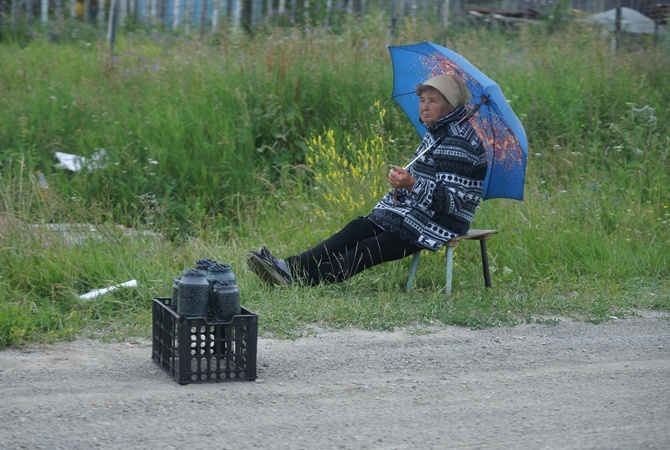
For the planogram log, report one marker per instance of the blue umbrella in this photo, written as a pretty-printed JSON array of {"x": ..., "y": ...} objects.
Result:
[{"x": 492, "y": 117}]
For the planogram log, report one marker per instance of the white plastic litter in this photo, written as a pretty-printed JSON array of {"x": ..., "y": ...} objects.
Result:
[
  {"x": 98, "y": 292},
  {"x": 75, "y": 163}
]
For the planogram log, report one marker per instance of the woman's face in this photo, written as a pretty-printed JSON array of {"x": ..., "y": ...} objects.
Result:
[{"x": 433, "y": 106}]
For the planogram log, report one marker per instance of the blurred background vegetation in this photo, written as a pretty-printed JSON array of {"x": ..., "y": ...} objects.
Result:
[{"x": 212, "y": 146}]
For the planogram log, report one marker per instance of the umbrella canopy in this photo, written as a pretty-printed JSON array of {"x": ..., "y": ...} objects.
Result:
[{"x": 492, "y": 117}]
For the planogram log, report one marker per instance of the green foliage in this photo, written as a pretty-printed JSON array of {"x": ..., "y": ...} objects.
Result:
[
  {"x": 216, "y": 146},
  {"x": 348, "y": 174},
  {"x": 558, "y": 16}
]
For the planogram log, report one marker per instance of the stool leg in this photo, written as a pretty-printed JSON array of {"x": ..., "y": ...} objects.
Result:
[
  {"x": 485, "y": 264},
  {"x": 412, "y": 270},
  {"x": 450, "y": 264}
]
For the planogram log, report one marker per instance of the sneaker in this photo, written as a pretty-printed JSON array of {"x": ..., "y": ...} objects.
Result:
[
  {"x": 265, "y": 253},
  {"x": 264, "y": 265}
]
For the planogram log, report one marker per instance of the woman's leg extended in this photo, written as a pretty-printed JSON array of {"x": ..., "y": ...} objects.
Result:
[{"x": 358, "y": 246}]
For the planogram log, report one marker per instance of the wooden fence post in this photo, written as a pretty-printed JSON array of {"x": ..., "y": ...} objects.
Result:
[
  {"x": 113, "y": 23},
  {"x": 175, "y": 14},
  {"x": 15, "y": 12},
  {"x": 216, "y": 6},
  {"x": 617, "y": 29},
  {"x": 59, "y": 12}
]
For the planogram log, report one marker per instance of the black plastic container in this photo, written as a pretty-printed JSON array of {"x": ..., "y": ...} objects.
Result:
[
  {"x": 204, "y": 263},
  {"x": 222, "y": 273},
  {"x": 194, "y": 291},
  {"x": 195, "y": 350},
  {"x": 225, "y": 300}
]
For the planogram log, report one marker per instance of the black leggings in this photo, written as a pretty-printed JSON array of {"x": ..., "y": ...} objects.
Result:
[{"x": 358, "y": 246}]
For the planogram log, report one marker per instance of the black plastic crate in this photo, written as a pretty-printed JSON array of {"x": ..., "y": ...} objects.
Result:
[{"x": 194, "y": 350}]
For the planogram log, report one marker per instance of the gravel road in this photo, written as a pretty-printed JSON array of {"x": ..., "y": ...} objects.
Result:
[{"x": 535, "y": 386}]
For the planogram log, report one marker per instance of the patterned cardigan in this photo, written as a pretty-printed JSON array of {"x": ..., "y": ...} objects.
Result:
[{"x": 449, "y": 183}]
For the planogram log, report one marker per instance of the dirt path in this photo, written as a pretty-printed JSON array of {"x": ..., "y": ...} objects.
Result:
[{"x": 567, "y": 386}]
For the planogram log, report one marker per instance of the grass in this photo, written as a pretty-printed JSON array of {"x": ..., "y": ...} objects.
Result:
[{"x": 217, "y": 146}]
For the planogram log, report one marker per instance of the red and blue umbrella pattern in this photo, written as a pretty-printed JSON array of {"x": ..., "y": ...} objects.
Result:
[{"x": 491, "y": 115}]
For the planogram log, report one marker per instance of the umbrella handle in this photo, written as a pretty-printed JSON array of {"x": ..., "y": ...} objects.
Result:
[
  {"x": 435, "y": 144},
  {"x": 417, "y": 157},
  {"x": 485, "y": 100}
]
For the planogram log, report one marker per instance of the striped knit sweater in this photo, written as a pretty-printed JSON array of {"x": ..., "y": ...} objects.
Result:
[{"x": 449, "y": 183}]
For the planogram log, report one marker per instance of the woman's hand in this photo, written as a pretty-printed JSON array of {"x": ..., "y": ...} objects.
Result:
[{"x": 399, "y": 178}]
